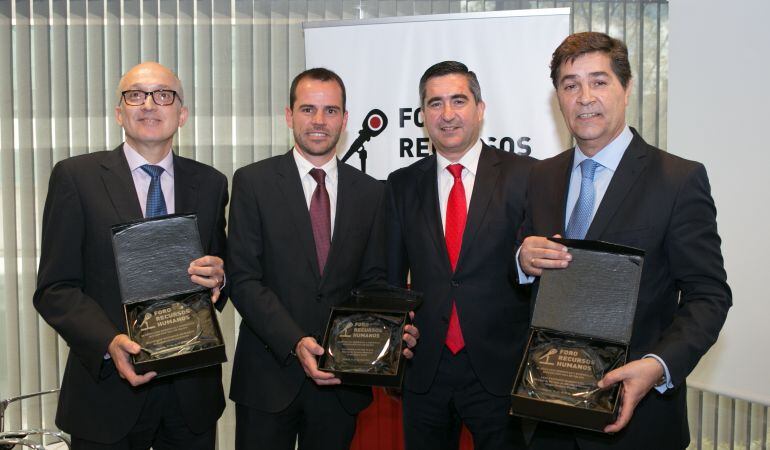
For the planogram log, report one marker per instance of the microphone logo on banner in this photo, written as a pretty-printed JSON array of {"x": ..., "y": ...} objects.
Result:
[{"x": 374, "y": 123}]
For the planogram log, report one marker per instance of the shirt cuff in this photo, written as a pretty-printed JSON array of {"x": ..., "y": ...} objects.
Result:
[
  {"x": 523, "y": 277},
  {"x": 667, "y": 384}
]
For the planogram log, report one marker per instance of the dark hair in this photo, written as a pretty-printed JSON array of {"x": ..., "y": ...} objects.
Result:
[
  {"x": 318, "y": 74},
  {"x": 579, "y": 44},
  {"x": 449, "y": 68}
]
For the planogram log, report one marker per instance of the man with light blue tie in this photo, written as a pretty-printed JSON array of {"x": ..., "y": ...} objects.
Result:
[
  {"x": 615, "y": 187},
  {"x": 104, "y": 403}
]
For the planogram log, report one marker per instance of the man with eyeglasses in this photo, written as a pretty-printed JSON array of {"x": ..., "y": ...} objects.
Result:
[{"x": 103, "y": 403}]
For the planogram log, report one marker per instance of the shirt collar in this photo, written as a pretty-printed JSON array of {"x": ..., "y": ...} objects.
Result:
[
  {"x": 470, "y": 159},
  {"x": 305, "y": 166},
  {"x": 135, "y": 160},
  {"x": 610, "y": 156}
]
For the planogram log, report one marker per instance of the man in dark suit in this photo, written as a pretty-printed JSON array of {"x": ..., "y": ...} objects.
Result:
[
  {"x": 103, "y": 403},
  {"x": 615, "y": 187},
  {"x": 452, "y": 220},
  {"x": 304, "y": 231}
]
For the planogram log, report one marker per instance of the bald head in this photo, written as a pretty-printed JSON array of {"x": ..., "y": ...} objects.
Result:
[{"x": 150, "y": 73}]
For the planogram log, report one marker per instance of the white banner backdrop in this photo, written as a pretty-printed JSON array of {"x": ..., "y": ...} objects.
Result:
[{"x": 381, "y": 62}]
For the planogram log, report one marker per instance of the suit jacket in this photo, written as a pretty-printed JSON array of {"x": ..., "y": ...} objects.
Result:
[
  {"x": 492, "y": 309},
  {"x": 78, "y": 293},
  {"x": 276, "y": 283},
  {"x": 662, "y": 204}
]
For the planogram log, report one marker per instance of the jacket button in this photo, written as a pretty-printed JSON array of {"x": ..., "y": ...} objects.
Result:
[
  {"x": 454, "y": 283},
  {"x": 319, "y": 297}
]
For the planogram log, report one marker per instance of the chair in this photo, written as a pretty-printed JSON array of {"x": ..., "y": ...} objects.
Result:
[{"x": 31, "y": 438}]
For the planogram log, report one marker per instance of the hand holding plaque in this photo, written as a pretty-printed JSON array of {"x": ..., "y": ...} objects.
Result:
[
  {"x": 169, "y": 316},
  {"x": 363, "y": 343}
]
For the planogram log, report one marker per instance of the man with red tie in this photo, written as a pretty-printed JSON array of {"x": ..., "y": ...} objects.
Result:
[
  {"x": 305, "y": 230},
  {"x": 452, "y": 220}
]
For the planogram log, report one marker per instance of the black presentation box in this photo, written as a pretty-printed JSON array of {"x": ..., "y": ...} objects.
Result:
[
  {"x": 362, "y": 342},
  {"x": 581, "y": 328},
  {"x": 172, "y": 318}
]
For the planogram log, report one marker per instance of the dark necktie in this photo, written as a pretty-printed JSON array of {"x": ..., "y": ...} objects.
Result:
[
  {"x": 456, "y": 214},
  {"x": 156, "y": 203},
  {"x": 579, "y": 221},
  {"x": 320, "y": 217}
]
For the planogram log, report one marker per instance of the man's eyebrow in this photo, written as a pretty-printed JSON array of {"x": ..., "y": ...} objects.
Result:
[
  {"x": 454, "y": 96},
  {"x": 572, "y": 77},
  {"x": 308, "y": 105}
]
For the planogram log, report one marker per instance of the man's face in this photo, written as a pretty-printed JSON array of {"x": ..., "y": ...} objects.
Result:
[
  {"x": 317, "y": 117},
  {"x": 592, "y": 101},
  {"x": 452, "y": 116},
  {"x": 150, "y": 125}
]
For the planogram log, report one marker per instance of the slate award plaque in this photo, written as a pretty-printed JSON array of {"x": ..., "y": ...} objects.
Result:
[
  {"x": 363, "y": 339},
  {"x": 171, "y": 318},
  {"x": 580, "y": 330}
]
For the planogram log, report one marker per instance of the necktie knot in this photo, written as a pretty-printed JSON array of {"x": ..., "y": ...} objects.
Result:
[
  {"x": 153, "y": 171},
  {"x": 456, "y": 170},
  {"x": 318, "y": 175},
  {"x": 588, "y": 168}
]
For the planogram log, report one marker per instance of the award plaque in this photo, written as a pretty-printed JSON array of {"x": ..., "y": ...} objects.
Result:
[
  {"x": 168, "y": 328},
  {"x": 581, "y": 329},
  {"x": 365, "y": 343},
  {"x": 566, "y": 370},
  {"x": 363, "y": 340},
  {"x": 170, "y": 317}
]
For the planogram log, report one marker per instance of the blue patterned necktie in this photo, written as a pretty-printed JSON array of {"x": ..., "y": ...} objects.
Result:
[
  {"x": 156, "y": 204},
  {"x": 584, "y": 208}
]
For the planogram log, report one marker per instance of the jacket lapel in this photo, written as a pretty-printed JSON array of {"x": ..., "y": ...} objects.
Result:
[
  {"x": 487, "y": 174},
  {"x": 557, "y": 190},
  {"x": 185, "y": 186},
  {"x": 427, "y": 188},
  {"x": 632, "y": 164},
  {"x": 120, "y": 185},
  {"x": 290, "y": 186},
  {"x": 344, "y": 214}
]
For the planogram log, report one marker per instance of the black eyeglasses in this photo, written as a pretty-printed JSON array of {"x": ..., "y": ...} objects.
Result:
[{"x": 161, "y": 97}]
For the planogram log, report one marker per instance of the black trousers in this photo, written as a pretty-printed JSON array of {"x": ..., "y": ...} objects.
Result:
[
  {"x": 316, "y": 417},
  {"x": 552, "y": 437},
  {"x": 160, "y": 426},
  {"x": 432, "y": 419}
]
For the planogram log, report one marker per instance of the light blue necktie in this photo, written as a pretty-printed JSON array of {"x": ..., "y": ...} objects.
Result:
[
  {"x": 156, "y": 203},
  {"x": 584, "y": 208}
]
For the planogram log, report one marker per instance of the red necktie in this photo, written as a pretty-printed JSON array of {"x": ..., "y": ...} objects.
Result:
[
  {"x": 320, "y": 218},
  {"x": 456, "y": 213}
]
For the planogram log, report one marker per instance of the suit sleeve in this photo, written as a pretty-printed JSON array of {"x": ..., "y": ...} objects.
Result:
[
  {"x": 59, "y": 297},
  {"x": 696, "y": 266},
  {"x": 218, "y": 245},
  {"x": 261, "y": 309},
  {"x": 397, "y": 262}
]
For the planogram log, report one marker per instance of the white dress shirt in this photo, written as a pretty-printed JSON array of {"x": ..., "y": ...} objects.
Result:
[
  {"x": 470, "y": 163},
  {"x": 142, "y": 179},
  {"x": 309, "y": 184}
]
